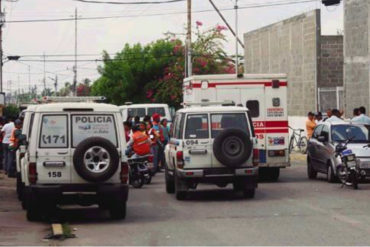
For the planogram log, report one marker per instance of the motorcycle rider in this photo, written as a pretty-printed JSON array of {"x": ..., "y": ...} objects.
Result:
[{"x": 139, "y": 143}]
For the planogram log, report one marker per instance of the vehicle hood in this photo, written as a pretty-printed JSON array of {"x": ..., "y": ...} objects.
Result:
[{"x": 359, "y": 150}]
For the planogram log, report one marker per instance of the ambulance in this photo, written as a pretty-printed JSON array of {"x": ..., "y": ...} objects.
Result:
[{"x": 265, "y": 95}]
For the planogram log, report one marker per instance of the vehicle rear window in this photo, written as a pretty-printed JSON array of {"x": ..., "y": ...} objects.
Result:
[
  {"x": 254, "y": 108},
  {"x": 197, "y": 127},
  {"x": 133, "y": 112},
  {"x": 222, "y": 121},
  {"x": 54, "y": 131},
  {"x": 360, "y": 134},
  {"x": 85, "y": 126},
  {"x": 158, "y": 110}
]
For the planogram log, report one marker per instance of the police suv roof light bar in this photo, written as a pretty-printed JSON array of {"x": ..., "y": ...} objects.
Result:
[
  {"x": 209, "y": 103},
  {"x": 75, "y": 99}
]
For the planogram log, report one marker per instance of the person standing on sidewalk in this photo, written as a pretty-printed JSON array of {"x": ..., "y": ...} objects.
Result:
[
  {"x": 6, "y": 132},
  {"x": 14, "y": 142},
  {"x": 310, "y": 124}
]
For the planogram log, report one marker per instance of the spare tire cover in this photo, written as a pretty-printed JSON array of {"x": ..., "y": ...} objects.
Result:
[
  {"x": 232, "y": 147},
  {"x": 96, "y": 159}
]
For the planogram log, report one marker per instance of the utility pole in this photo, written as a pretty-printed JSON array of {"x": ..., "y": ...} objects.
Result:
[
  {"x": 56, "y": 84},
  {"x": 2, "y": 20},
  {"x": 236, "y": 39},
  {"x": 29, "y": 79},
  {"x": 44, "y": 74},
  {"x": 75, "y": 67},
  {"x": 188, "y": 44}
]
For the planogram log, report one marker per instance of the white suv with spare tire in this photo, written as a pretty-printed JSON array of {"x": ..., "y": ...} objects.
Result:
[
  {"x": 211, "y": 144},
  {"x": 75, "y": 155}
]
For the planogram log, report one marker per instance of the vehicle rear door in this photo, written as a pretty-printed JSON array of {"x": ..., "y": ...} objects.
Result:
[
  {"x": 322, "y": 150},
  {"x": 197, "y": 144},
  {"x": 94, "y": 124},
  {"x": 53, "y": 149},
  {"x": 253, "y": 97}
]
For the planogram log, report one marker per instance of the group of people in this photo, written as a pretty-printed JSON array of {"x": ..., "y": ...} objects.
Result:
[
  {"x": 146, "y": 137},
  {"x": 335, "y": 115},
  {"x": 10, "y": 137}
]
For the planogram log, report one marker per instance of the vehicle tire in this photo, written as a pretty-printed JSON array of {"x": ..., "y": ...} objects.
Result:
[
  {"x": 20, "y": 187},
  {"x": 96, "y": 159},
  {"x": 117, "y": 210},
  {"x": 137, "y": 182},
  {"x": 354, "y": 180},
  {"x": 249, "y": 193},
  {"x": 34, "y": 211},
  {"x": 232, "y": 147},
  {"x": 170, "y": 184},
  {"x": 180, "y": 194},
  {"x": 148, "y": 179},
  {"x": 311, "y": 173},
  {"x": 303, "y": 145},
  {"x": 330, "y": 174},
  {"x": 291, "y": 144}
]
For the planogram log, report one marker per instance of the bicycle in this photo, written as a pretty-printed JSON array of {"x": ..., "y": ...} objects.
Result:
[{"x": 297, "y": 140}]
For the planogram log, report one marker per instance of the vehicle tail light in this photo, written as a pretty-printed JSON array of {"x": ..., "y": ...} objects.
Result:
[
  {"x": 276, "y": 153},
  {"x": 32, "y": 173},
  {"x": 256, "y": 159},
  {"x": 150, "y": 159},
  {"x": 180, "y": 159},
  {"x": 124, "y": 172}
]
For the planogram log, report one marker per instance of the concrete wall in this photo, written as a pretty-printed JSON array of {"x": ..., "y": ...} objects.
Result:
[
  {"x": 290, "y": 46},
  {"x": 331, "y": 61},
  {"x": 356, "y": 53}
]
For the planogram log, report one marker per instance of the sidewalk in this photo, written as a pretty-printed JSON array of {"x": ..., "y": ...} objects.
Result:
[{"x": 14, "y": 227}]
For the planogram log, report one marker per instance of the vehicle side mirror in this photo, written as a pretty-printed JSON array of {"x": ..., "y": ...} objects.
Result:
[{"x": 322, "y": 138}]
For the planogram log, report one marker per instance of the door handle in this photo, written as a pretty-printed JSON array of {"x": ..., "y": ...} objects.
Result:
[{"x": 61, "y": 153}]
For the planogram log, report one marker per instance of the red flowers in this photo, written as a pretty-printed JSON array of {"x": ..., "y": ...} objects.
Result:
[{"x": 199, "y": 23}]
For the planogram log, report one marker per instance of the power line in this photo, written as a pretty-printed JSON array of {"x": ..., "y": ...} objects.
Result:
[
  {"x": 272, "y": 4},
  {"x": 130, "y": 3}
]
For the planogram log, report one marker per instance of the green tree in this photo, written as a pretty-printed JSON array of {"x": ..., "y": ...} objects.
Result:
[
  {"x": 155, "y": 72},
  {"x": 11, "y": 111}
]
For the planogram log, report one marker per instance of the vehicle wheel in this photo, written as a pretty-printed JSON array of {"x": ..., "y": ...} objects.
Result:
[
  {"x": 249, "y": 193},
  {"x": 303, "y": 145},
  {"x": 342, "y": 174},
  {"x": 34, "y": 211},
  {"x": 20, "y": 187},
  {"x": 354, "y": 180},
  {"x": 170, "y": 185},
  {"x": 291, "y": 144},
  {"x": 96, "y": 159},
  {"x": 117, "y": 211},
  {"x": 179, "y": 192},
  {"x": 330, "y": 174},
  {"x": 148, "y": 179},
  {"x": 137, "y": 182},
  {"x": 232, "y": 147},
  {"x": 274, "y": 173},
  {"x": 311, "y": 173}
]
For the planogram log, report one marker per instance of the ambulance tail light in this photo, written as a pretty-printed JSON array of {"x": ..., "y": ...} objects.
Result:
[
  {"x": 32, "y": 173},
  {"x": 276, "y": 153},
  {"x": 256, "y": 159},
  {"x": 180, "y": 159}
]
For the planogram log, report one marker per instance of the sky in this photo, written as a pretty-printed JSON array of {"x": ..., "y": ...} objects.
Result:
[{"x": 140, "y": 24}]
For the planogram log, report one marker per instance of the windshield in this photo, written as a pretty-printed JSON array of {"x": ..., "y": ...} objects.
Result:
[
  {"x": 133, "y": 112},
  {"x": 219, "y": 122},
  {"x": 158, "y": 110},
  {"x": 341, "y": 133}
]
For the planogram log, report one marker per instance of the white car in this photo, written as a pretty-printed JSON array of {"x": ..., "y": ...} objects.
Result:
[
  {"x": 142, "y": 110},
  {"x": 75, "y": 155},
  {"x": 212, "y": 144}
]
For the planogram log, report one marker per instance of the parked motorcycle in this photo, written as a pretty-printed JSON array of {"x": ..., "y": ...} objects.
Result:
[
  {"x": 348, "y": 170},
  {"x": 139, "y": 171}
]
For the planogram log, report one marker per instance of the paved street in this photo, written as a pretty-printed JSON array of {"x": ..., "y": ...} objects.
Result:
[{"x": 294, "y": 211}]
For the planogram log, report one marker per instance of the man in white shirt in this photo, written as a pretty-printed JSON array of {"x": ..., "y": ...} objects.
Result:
[
  {"x": 335, "y": 117},
  {"x": 6, "y": 131},
  {"x": 362, "y": 119}
]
